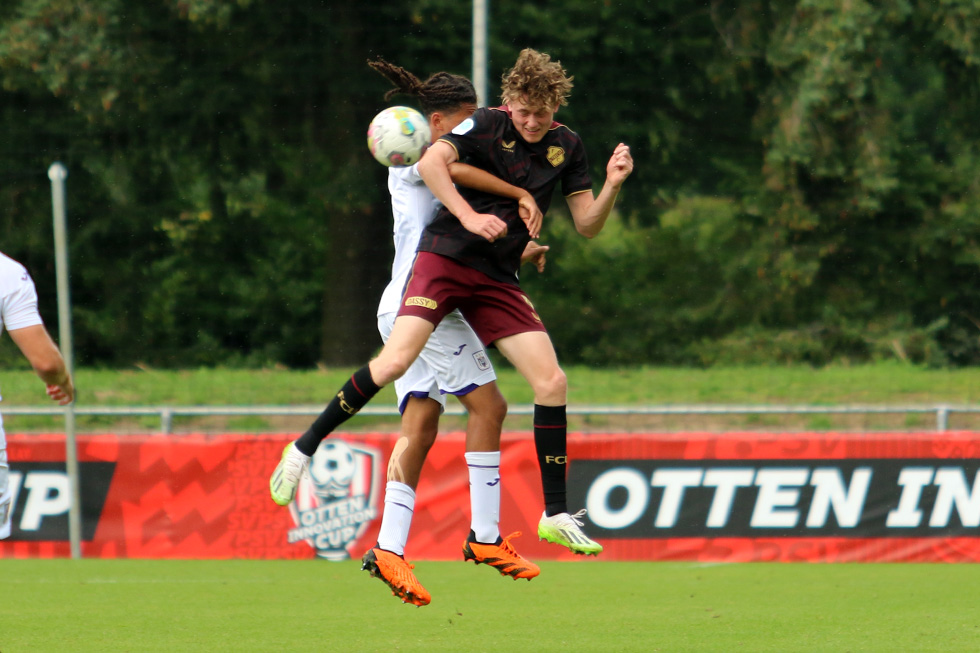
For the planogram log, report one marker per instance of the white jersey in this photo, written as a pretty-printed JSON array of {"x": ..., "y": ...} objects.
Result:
[
  {"x": 18, "y": 309},
  {"x": 18, "y": 297},
  {"x": 454, "y": 360},
  {"x": 413, "y": 206}
]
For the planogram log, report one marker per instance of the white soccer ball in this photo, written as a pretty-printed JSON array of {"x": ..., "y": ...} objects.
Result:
[
  {"x": 398, "y": 136},
  {"x": 332, "y": 468}
]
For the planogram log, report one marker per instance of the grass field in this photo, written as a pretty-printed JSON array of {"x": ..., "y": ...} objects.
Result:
[
  {"x": 142, "y": 605},
  {"x": 882, "y": 384}
]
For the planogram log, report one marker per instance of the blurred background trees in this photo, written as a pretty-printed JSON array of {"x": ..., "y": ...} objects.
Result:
[{"x": 805, "y": 186}]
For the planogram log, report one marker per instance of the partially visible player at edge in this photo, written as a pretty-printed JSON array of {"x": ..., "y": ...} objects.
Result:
[
  {"x": 19, "y": 315},
  {"x": 452, "y": 362},
  {"x": 468, "y": 259}
]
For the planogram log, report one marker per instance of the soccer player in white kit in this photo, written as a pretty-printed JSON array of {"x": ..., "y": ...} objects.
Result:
[{"x": 20, "y": 317}]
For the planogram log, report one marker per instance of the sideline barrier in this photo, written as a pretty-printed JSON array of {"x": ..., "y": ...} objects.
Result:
[{"x": 732, "y": 497}]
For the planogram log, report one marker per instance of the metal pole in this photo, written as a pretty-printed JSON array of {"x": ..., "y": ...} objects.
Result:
[
  {"x": 480, "y": 50},
  {"x": 57, "y": 173}
]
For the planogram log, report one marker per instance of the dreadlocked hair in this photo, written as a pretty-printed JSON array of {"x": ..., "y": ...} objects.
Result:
[
  {"x": 442, "y": 92},
  {"x": 537, "y": 81}
]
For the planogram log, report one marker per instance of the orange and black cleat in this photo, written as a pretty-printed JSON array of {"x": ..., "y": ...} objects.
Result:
[
  {"x": 397, "y": 574},
  {"x": 501, "y": 556}
]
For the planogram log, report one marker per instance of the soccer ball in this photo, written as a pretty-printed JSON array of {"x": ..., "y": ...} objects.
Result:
[
  {"x": 398, "y": 136},
  {"x": 332, "y": 468}
]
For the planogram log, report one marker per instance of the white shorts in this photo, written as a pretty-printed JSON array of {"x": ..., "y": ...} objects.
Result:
[{"x": 453, "y": 361}]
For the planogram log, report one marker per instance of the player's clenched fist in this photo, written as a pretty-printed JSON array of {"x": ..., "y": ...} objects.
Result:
[{"x": 620, "y": 165}]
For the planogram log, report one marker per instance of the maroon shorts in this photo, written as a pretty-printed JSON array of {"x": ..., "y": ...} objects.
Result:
[{"x": 495, "y": 310}]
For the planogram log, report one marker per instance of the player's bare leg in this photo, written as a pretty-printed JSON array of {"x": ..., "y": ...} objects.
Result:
[
  {"x": 533, "y": 354},
  {"x": 386, "y": 560}
]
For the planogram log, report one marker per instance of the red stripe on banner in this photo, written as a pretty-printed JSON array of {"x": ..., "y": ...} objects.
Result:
[
  {"x": 206, "y": 496},
  {"x": 796, "y": 549}
]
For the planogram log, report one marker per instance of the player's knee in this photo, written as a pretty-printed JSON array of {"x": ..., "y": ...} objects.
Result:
[
  {"x": 386, "y": 369},
  {"x": 497, "y": 408},
  {"x": 420, "y": 422},
  {"x": 552, "y": 388},
  {"x": 492, "y": 408}
]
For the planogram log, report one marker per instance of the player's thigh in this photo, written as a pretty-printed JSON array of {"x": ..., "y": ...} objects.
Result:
[
  {"x": 419, "y": 379},
  {"x": 406, "y": 340},
  {"x": 457, "y": 356},
  {"x": 533, "y": 354}
]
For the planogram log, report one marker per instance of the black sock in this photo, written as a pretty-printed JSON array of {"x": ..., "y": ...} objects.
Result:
[
  {"x": 352, "y": 397},
  {"x": 550, "y": 434},
  {"x": 472, "y": 538}
]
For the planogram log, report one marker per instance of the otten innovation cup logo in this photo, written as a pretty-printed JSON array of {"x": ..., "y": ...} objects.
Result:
[{"x": 336, "y": 499}]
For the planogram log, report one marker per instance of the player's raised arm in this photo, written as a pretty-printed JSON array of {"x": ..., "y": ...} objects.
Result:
[
  {"x": 590, "y": 213},
  {"x": 434, "y": 170}
]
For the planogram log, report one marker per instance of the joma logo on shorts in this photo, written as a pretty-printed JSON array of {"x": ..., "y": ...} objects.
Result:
[{"x": 424, "y": 302}]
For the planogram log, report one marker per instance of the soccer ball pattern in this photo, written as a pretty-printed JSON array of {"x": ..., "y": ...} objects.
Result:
[
  {"x": 332, "y": 468},
  {"x": 398, "y": 136}
]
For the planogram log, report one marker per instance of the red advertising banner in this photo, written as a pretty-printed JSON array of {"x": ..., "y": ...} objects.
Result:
[{"x": 822, "y": 497}]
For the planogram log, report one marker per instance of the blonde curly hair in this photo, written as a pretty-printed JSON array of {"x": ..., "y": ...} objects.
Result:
[{"x": 537, "y": 81}]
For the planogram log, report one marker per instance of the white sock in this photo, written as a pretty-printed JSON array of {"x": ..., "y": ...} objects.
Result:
[
  {"x": 397, "y": 517},
  {"x": 484, "y": 467}
]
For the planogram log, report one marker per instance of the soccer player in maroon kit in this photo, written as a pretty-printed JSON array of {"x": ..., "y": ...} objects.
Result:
[{"x": 468, "y": 259}]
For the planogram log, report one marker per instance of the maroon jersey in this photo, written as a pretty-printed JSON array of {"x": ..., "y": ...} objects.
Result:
[{"x": 488, "y": 140}]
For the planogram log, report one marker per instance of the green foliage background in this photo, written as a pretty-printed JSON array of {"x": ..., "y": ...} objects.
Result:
[{"x": 805, "y": 186}]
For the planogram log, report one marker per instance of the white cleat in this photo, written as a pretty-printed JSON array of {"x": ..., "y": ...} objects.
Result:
[
  {"x": 282, "y": 484},
  {"x": 565, "y": 530}
]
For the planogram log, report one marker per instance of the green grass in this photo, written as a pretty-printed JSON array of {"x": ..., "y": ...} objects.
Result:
[
  {"x": 158, "y": 605},
  {"x": 881, "y": 384}
]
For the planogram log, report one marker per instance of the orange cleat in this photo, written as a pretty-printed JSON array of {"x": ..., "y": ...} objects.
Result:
[
  {"x": 501, "y": 556},
  {"x": 397, "y": 574}
]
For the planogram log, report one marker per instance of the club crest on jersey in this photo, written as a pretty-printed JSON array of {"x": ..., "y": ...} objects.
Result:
[
  {"x": 424, "y": 302},
  {"x": 337, "y": 498},
  {"x": 556, "y": 155}
]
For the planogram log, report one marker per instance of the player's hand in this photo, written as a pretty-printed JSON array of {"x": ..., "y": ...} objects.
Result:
[
  {"x": 534, "y": 254},
  {"x": 530, "y": 214},
  {"x": 620, "y": 165},
  {"x": 64, "y": 394},
  {"x": 483, "y": 224}
]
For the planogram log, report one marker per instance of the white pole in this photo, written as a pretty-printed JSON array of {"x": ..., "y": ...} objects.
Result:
[
  {"x": 480, "y": 50},
  {"x": 57, "y": 173}
]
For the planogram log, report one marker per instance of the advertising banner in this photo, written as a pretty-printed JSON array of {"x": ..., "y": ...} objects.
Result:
[{"x": 821, "y": 497}]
